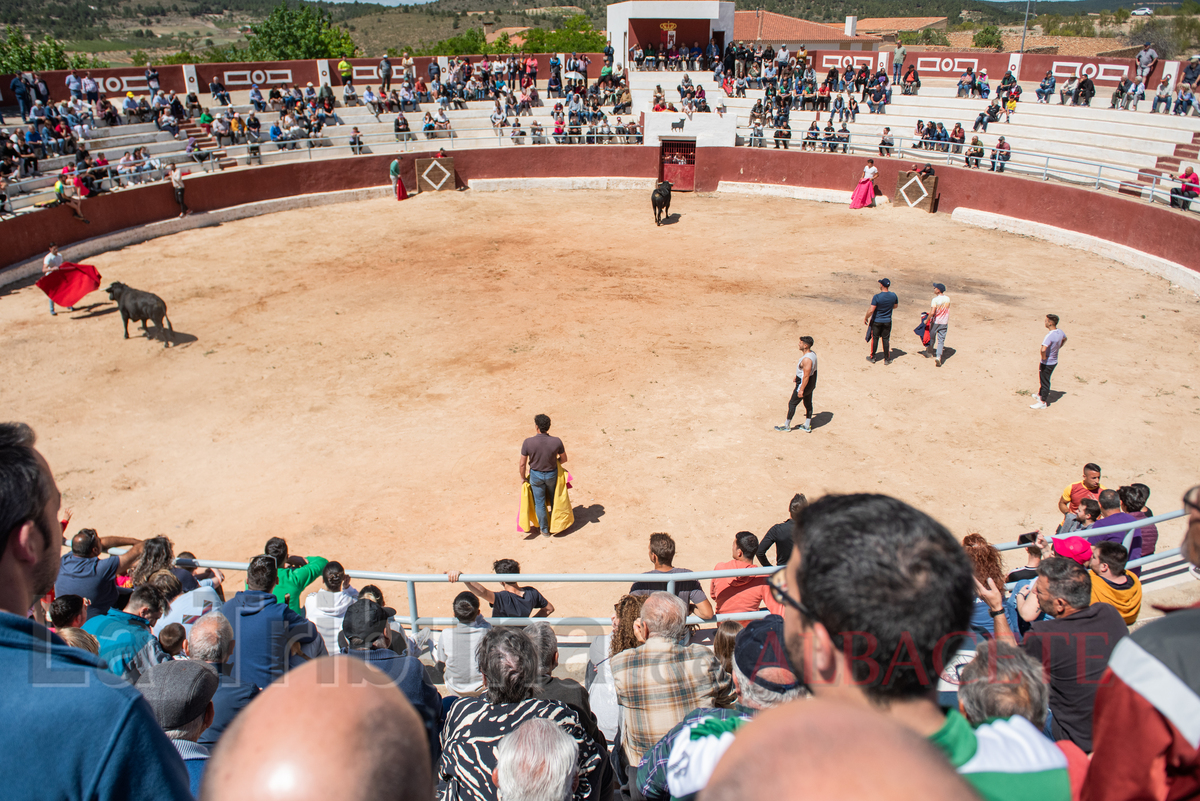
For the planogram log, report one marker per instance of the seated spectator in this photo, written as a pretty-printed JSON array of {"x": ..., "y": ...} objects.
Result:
[
  {"x": 326, "y": 607},
  {"x": 206, "y": 121},
  {"x": 569, "y": 691},
  {"x": 1111, "y": 516},
  {"x": 78, "y": 638},
  {"x": 920, "y": 603},
  {"x": 1033, "y": 543},
  {"x": 740, "y": 593},
  {"x": 1141, "y": 748},
  {"x": 537, "y": 133},
  {"x": 982, "y": 88},
  {"x": 911, "y": 82},
  {"x": 1001, "y": 153},
  {"x": 1162, "y": 96},
  {"x": 295, "y": 573},
  {"x": 339, "y": 727},
  {"x": 180, "y": 696},
  {"x": 217, "y": 90},
  {"x": 1133, "y": 500},
  {"x": 368, "y": 638},
  {"x": 537, "y": 761},
  {"x": 173, "y": 640},
  {"x": 512, "y": 600},
  {"x": 681, "y": 762},
  {"x": 602, "y": 697},
  {"x": 126, "y": 641},
  {"x": 456, "y": 647},
  {"x": 265, "y": 631},
  {"x": 211, "y": 643},
  {"x": 988, "y": 565},
  {"x": 1086, "y": 514},
  {"x": 372, "y": 102},
  {"x": 127, "y": 755},
  {"x": 221, "y": 130},
  {"x": 474, "y": 726},
  {"x": 783, "y": 135},
  {"x": 1074, "y": 644},
  {"x": 68, "y": 611},
  {"x": 974, "y": 153},
  {"x": 1112, "y": 583},
  {"x": 966, "y": 83},
  {"x": 1188, "y": 189},
  {"x": 822, "y": 749},
  {"x": 83, "y": 573},
  {"x": 1084, "y": 92},
  {"x": 662, "y": 556},
  {"x": 878, "y": 100},
  {"x": 886, "y": 145},
  {"x": 256, "y": 98},
  {"x": 662, "y": 680}
]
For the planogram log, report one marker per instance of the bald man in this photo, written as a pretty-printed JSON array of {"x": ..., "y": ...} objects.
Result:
[
  {"x": 825, "y": 749},
  {"x": 335, "y": 728}
]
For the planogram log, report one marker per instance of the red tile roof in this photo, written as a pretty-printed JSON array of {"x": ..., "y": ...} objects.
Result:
[
  {"x": 889, "y": 24},
  {"x": 750, "y": 26}
]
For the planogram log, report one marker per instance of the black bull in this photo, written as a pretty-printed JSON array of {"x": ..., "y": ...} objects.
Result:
[
  {"x": 660, "y": 200},
  {"x": 136, "y": 305}
]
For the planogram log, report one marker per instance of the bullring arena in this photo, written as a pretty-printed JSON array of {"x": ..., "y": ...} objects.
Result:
[{"x": 357, "y": 378}]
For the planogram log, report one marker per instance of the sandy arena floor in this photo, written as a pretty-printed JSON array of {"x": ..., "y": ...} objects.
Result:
[{"x": 358, "y": 379}]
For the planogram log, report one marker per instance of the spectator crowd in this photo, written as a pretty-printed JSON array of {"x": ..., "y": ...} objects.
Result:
[{"x": 880, "y": 628}]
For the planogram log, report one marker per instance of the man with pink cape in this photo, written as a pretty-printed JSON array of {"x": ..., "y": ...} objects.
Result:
[
  {"x": 864, "y": 193},
  {"x": 66, "y": 283}
]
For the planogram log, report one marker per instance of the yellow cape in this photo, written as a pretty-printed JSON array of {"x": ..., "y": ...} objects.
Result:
[{"x": 562, "y": 516}]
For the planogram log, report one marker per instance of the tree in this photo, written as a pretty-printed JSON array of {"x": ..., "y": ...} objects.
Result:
[
  {"x": 298, "y": 34},
  {"x": 1168, "y": 37},
  {"x": 988, "y": 37},
  {"x": 18, "y": 54},
  {"x": 575, "y": 35},
  {"x": 928, "y": 36}
]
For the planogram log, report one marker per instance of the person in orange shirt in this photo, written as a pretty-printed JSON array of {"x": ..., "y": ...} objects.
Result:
[{"x": 740, "y": 593}]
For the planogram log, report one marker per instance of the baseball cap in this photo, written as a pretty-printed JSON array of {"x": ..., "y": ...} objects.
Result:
[
  {"x": 759, "y": 646},
  {"x": 940, "y": 287},
  {"x": 1075, "y": 548},
  {"x": 886, "y": 282},
  {"x": 129, "y": 94},
  {"x": 178, "y": 691},
  {"x": 365, "y": 621}
]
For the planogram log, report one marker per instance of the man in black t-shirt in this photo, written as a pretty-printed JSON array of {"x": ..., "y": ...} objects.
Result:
[
  {"x": 879, "y": 318},
  {"x": 1033, "y": 542},
  {"x": 780, "y": 534},
  {"x": 512, "y": 600},
  {"x": 542, "y": 454}
]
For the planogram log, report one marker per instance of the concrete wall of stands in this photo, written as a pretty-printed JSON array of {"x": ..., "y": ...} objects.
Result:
[{"x": 1134, "y": 223}]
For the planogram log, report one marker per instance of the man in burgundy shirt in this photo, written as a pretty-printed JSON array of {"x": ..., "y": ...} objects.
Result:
[{"x": 542, "y": 454}]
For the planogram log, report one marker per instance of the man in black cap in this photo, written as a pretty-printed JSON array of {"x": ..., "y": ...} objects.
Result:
[
  {"x": 879, "y": 318},
  {"x": 939, "y": 321},
  {"x": 680, "y": 764},
  {"x": 180, "y": 694},
  {"x": 366, "y": 636}
]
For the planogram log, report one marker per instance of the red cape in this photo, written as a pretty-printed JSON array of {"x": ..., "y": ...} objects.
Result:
[{"x": 70, "y": 283}]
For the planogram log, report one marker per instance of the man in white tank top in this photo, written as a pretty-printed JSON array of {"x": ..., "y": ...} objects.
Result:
[{"x": 806, "y": 382}]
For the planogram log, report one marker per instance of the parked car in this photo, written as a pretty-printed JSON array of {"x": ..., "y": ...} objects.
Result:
[{"x": 1142, "y": 12}]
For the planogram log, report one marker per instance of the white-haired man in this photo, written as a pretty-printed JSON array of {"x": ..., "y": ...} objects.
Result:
[{"x": 537, "y": 762}]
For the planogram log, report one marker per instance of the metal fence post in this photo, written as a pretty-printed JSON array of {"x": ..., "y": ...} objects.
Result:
[
  {"x": 1099, "y": 172},
  {"x": 412, "y": 605},
  {"x": 1046, "y": 170},
  {"x": 671, "y": 586}
]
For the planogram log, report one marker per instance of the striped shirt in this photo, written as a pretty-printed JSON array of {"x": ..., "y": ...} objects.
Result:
[
  {"x": 1005, "y": 760},
  {"x": 658, "y": 683}
]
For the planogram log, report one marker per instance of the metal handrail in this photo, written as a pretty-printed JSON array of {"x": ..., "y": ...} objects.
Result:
[{"x": 1129, "y": 527}]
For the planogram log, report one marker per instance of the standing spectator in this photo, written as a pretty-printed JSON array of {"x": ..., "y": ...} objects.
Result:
[
  {"x": 152, "y": 80},
  {"x": 20, "y": 91},
  {"x": 265, "y": 631},
  {"x": 295, "y": 573},
  {"x": 679, "y": 765},
  {"x": 127, "y": 643},
  {"x": 939, "y": 321},
  {"x": 879, "y": 318},
  {"x": 1051, "y": 345},
  {"x": 474, "y": 726},
  {"x": 84, "y": 573},
  {"x": 898, "y": 62},
  {"x": 326, "y": 608},
  {"x": 780, "y": 534},
  {"x": 740, "y": 593},
  {"x": 1143, "y": 723},
  {"x": 1146, "y": 59},
  {"x": 921, "y": 590},
  {"x": 180, "y": 694},
  {"x": 805, "y": 382},
  {"x": 211, "y": 642},
  {"x": 512, "y": 600},
  {"x": 346, "y": 71},
  {"x": 1112, "y": 583},
  {"x": 1088, "y": 486},
  {"x": 1074, "y": 645},
  {"x": 385, "y": 75},
  {"x": 662, "y": 680},
  {"x": 410, "y": 70},
  {"x": 177, "y": 183},
  {"x": 662, "y": 556},
  {"x": 456, "y": 647},
  {"x": 114, "y": 750},
  {"x": 544, "y": 455},
  {"x": 336, "y": 729},
  {"x": 368, "y": 638},
  {"x": 539, "y": 762}
]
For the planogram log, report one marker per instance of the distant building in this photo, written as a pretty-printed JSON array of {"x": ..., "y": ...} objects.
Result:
[
  {"x": 882, "y": 26},
  {"x": 776, "y": 29}
]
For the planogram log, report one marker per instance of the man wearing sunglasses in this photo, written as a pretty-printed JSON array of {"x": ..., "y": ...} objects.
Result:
[
  {"x": 1146, "y": 723},
  {"x": 877, "y": 597}
]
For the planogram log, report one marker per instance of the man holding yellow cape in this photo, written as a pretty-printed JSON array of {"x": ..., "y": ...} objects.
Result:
[{"x": 544, "y": 480}]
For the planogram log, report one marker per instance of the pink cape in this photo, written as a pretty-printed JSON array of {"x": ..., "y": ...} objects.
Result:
[
  {"x": 70, "y": 283},
  {"x": 864, "y": 194}
]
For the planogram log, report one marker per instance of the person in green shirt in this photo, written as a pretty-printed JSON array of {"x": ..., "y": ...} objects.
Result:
[
  {"x": 295, "y": 572},
  {"x": 868, "y": 630}
]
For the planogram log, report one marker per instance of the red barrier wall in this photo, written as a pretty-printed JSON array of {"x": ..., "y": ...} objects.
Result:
[
  {"x": 952, "y": 65},
  {"x": 113, "y": 82},
  {"x": 1100, "y": 70},
  {"x": 1131, "y": 222},
  {"x": 238, "y": 77},
  {"x": 822, "y": 60}
]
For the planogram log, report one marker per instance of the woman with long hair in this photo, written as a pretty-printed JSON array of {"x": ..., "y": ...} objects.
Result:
[
  {"x": 989, "y": 566},
  {"x": 723, "y": 642},
  {"x": 598, "y": 677},
  {"x": 157, "y": 554}
]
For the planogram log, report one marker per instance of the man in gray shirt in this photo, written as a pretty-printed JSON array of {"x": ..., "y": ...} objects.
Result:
[{"x": 542, "y": 454}]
